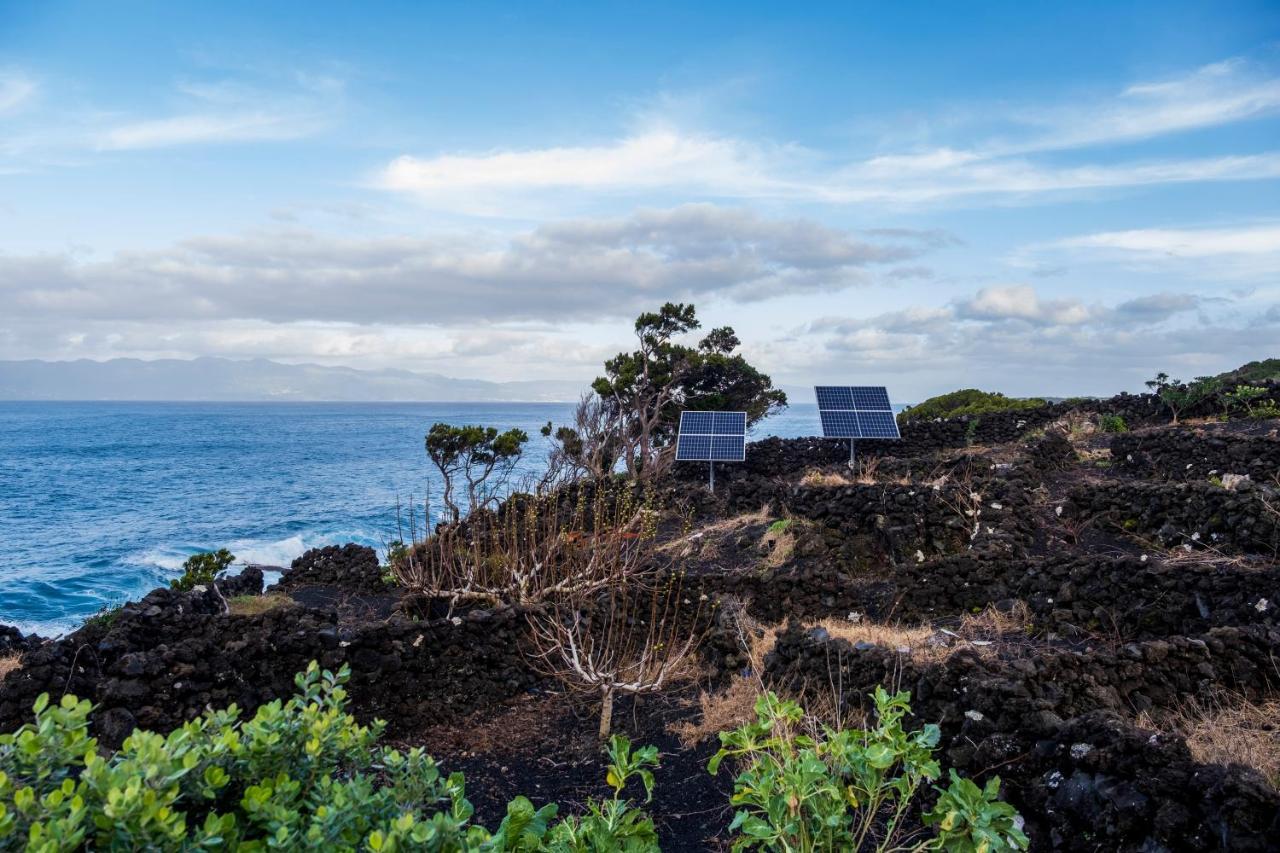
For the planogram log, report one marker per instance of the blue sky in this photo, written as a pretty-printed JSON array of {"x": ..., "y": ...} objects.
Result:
[{"x": 1057, "y": 198}]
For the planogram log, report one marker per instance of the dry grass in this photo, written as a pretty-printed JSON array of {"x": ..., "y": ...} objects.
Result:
[
  {"x": 705, "y": 541},
  {"x": 735, "y": 704},
  {"x": 253, "y": 605},
  {"x": 720, "y": 711},
  {"x": 1227, "y": 732},
  {"x": 779, "y": 542},
  {"x": 826, "y": 704},
  {"x": 824, "y": 479},
  {"x": 9, "y": 663},
  {"x": 993, "y": 623}
]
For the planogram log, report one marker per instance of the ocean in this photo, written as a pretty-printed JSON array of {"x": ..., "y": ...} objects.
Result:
[{"x": 101, "y": 502}]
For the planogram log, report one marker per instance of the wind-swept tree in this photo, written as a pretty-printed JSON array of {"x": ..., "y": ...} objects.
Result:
[
  {"x": 643, "y": 391},
  {"x": 481, "y": 456}
]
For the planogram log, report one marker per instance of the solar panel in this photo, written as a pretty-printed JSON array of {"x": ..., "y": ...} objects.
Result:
[
  {"x": 712, "y": 437},
  {"x": 856, "y": 411}
]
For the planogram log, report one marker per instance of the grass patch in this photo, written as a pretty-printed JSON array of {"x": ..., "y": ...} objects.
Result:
[
  {"x": 1232, "y": 731},
  {"x": 252, "y": 605},
  {"x": 824, "y": 479},
  {"x": 9, "y": 663}
]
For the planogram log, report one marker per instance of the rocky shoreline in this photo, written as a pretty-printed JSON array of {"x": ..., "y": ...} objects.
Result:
[{"x": 1121, "y": 576}]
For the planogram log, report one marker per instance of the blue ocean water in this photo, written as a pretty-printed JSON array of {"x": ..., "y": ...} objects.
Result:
[{"x": 101, "y": 502}]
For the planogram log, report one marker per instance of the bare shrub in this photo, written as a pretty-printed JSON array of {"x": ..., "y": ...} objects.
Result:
[
  {"x": 632, "y": 641},
  {"x": 9, "y": 663},
  {"x": 591, "y": 448},
  {"x": 536, "y": 548}
]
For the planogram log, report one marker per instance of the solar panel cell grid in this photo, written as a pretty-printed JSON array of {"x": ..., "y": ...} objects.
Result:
[
  {"x": 728, "y": 448},
  {"x": 871, "y": 397},
  {"x": 693, "y": 447},
  {"x": 877, "y": 425},
  {"x": 729, "y": 423},
  {"x": 856, "y": 411},
  {"x": 697, "y": 422},
  {"x": 834, "y": 398}
]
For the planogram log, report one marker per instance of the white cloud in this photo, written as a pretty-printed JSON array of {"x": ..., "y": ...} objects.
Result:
[
  {"x": 653, "y": 159},
  {"x": 1221, "y": 93},
  {"x": 1184, "y": 242},
  {"x": 578, "y": 269},
  {"x": 664, "y": 158},
  {"x": 1058, "y": 346},
  {"x": 1022, "y": 302},
  {"x": 1247, "y": 253},
  {"x": 192, "y": 129},
  {"x": 15, "y": 90}
]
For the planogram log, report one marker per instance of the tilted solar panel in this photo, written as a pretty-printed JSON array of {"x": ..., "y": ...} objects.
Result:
[
  {"x": 712, "y": 437},
  {"x": 856, "y": 411}
]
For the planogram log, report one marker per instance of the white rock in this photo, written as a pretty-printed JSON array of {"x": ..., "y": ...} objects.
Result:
[
  {"x": 1080, "y": 750},
  {"x": 976, "y": 716},
  {"x": 1262, "y": 605}
]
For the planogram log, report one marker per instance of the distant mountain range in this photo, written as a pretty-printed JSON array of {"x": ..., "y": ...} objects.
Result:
[{"x": 224, "y": 379}]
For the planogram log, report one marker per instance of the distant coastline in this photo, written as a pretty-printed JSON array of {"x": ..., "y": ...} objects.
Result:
[{"x": 224, "y": 380}]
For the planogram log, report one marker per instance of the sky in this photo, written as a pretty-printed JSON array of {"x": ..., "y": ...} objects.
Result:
[{"x": 1024, "y": 197}]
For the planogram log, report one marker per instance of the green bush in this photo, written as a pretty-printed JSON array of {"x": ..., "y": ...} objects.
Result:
[
  {"x": 967, "y": 401},
  {"x": 301, "y": 774},
  {"x": 852, "y": 789},
  {"x": 203, "y": 569},
  {"x": 1112, "y": 423}
]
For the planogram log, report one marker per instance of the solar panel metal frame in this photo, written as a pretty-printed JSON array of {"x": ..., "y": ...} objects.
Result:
[
  {"x": 856, "y": 412},
  {"x": 712, "y": 437}
]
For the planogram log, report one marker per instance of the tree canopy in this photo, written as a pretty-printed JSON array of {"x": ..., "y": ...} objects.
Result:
[{"x": 646, "y": 388}]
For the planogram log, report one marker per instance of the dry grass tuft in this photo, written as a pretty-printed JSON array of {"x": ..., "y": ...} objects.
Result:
[
  {"x": 993, "y": 623},
  {"x": 253, "y": 605},
  {"x": 887, "y": 634},
  {"x": 705, "y": 541},
  {"x": 779, "y": 542},
  {"x": 10, "y": 663},
  {"x": 1229, "y": 731},
  {"x": 735, "y": 704},
  {"x": 720, "y": 711},
  {"x": 824, "y": 479}
]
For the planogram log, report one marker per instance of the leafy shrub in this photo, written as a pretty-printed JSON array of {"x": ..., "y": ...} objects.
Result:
[
  {"x": 203, "y": 569},
  {"x": 1112, "y": 423},
  {"x": 967, "y": 401},
  {"x": 301, "y": 774},
  {"x": 1252, "y": 398},
  {"x": 851, "y": 789}
]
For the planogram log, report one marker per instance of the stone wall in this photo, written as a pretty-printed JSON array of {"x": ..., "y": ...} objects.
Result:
[
  {"x": 163, "y": 660},
  {"x": 1053, "y": 723},
  {"x": 1193, "y": 514},
  {"x": 1193, "y": 455}
]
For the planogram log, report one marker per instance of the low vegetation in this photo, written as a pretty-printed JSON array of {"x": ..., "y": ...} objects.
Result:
[
  {"x": 853, "y": 789},
  {"x": 967, "y": 401},
  {"x": 303, "y": 774},
  {"x": 203, "y": 569},
  {"x": 1232, "y": 731},
  {"x": 253, "y": 605}
]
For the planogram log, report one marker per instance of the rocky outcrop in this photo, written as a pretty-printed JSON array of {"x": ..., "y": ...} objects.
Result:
[{"x": 1052, "y": 723}]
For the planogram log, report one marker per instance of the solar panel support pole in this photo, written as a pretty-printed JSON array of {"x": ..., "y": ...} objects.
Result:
[
  {"x": 712, "y": 485},
  {"x": 853, "y": 451}
]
